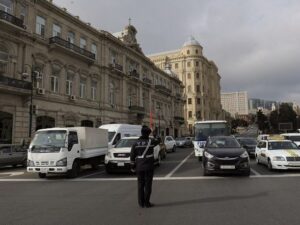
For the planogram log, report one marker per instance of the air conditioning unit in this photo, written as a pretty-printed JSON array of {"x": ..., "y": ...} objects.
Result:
[
  {"x": 40, "y": 91},
  {"x": 73, "y": 97}
]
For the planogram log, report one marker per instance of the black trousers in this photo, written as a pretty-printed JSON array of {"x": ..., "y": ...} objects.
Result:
[{"x": 144, "y": 186}]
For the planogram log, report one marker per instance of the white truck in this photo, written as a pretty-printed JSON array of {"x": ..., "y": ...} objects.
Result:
[{"x": 65, "y": 150}]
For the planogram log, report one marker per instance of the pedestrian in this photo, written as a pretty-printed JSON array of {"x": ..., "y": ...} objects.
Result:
[{"x": 142, "y": 162}]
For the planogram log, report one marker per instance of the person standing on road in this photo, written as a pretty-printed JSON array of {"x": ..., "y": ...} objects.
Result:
[{"x": 142, "y": 161}]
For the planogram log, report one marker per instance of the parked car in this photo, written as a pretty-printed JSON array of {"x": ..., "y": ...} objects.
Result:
[
  {"x": 223, "y": 154},
  {"x": 278, "y": 154},
  {"x": 249, "y": 144},
  {"x": 13, "y": 155},
  {"x": 118, "y": 158},
  {"x": 170, "y": 144},
  {"x": 184, "y": 142},
  {"x": 295, "y": 137}
]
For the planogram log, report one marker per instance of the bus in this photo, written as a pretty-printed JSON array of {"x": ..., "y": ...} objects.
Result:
[{"x": 204, "y": 129}]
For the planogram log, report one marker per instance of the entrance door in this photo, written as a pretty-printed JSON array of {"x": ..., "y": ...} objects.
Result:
[{"x": 6, "y": 124}]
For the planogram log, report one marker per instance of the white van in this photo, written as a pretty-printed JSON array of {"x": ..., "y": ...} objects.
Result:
[{"x": 118, "y": 131}]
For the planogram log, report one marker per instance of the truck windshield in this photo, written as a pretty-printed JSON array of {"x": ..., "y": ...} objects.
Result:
[
  {"x": 49, "y": 141},
  {"x": 204, "y": 130},
  {"x": 111, "y": 134},
  {"x": 125, "y": 143},
  {"x": 293, "y": 138}
]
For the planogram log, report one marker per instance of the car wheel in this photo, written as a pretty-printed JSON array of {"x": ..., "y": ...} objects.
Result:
[
  {"x": 174, "y": 148},
  {"x": 247, "y": 174},
  {"x": 42, "y": 175},
  {"x": 74, "y": 172},
  {"x": 108, "y": 170},
  {"x": 270, "y": 167}
]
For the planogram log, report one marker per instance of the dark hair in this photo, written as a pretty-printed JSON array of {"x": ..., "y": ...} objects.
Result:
[{"x": 146, "y": 131}]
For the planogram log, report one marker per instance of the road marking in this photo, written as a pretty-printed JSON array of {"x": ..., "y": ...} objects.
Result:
[
  {"x": 255, "y": 172},
  {"x": 11, "y": 174},
  {"x": 179, "y": 165},
  {"x": 155, "y": 178},
  {"x": 93, "y": 174}
]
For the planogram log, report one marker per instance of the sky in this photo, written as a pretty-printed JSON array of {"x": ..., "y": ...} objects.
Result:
[{"x": 254, "y": 43}]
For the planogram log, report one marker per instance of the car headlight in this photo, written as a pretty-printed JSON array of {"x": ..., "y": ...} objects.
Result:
[
  {"x": 62, "y": 162},
  {"x": 278, "y": 158},
  {"x": 30, "y": 163},
  {"x": 208, "y": 155},
  {"x": 244, "y": 155}
]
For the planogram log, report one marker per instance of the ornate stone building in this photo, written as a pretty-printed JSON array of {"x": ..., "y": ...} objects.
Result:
[
  {"x": 76, "y": 75},
  {"x": 201, "y": 80}
]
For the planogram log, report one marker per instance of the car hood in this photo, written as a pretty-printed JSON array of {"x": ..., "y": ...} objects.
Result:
[
  {"x": 286, "y": 152},
  {"x": 118, "y": 150},
  {"x": 225, "y": 152}
]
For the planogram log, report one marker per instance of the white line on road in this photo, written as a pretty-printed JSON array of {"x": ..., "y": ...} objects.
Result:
[
  {"x": 179, "y": 165},
  {"x": 255, "y": 172},
  {"x": 93, "y": 174}
]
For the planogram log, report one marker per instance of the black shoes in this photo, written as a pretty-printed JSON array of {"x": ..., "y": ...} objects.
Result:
[{"x": 149, "y": 205}]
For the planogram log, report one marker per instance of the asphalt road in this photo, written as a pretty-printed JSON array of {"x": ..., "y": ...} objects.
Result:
[{"x": 181, "y": 194}]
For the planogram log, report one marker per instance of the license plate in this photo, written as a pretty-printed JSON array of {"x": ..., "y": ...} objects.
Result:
[
  {"x": 120, "y": 164},
  {"x": 227, "y": 167}
]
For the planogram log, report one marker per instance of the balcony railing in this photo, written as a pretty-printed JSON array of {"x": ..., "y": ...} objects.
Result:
[
  {"x": 163, "y": 89},
  {"x": 15, "y": 83},
  {"x": 11, "y": 19},
  {"x": 147, "y": 80},
  {"x": 137, "y": 109},
  {"x": 134, "y": 74},
  {"x": 116, "y": 66},
  {"x": 75, "y": 48}
]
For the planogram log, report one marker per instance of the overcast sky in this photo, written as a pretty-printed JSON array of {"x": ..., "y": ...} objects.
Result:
[{"x": 254, "y": 43}]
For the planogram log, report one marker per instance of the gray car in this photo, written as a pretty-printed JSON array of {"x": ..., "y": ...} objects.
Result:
[
  {"x": 13, "y": 155},
  {"x": 184, "y": 142}
]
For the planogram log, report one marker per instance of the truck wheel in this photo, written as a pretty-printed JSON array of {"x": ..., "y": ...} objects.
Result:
[
  {"x": 108, "y": 170},
  {"x": 94, "y": 165},
  {"x": 199, "y": 158},
  {"x": 24, "y": 163},
  {"x": 74, "y": 172},
  {"x": 42, "y": 175}
]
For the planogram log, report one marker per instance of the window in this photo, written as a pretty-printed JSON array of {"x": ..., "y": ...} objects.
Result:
[
  {"x": 54, "y": 83},
  {"x": 22, "y": 13},
  {"x": 197, "y": 63},
  {"x": 82, "y": 88},
  {"x": 198, "y": 88},
  {"x": 71, "y": 37},
  {"x": 196, "y": 51},
  {"x": 176, "y": 65},
  {"x": 190, "y": 114},
  {"x": 198, "y": 101},
  {"x": 40, "y": 26},
  {"x": 188, "y": 52},
  {"x": 188, "y": 64},
  {"x": 82, "y": 43},
  {"x": 69, "y": 85},
  {"x": 6, "y": 6},
  {"x": 56, "y": 32},
  {"x": 94, "y": 50},
  {"x": 189, "y": 88},
  {"x": 189, "y": 101},
  {"x": 94, "y": 90},
  {"x": 111, "y": 94},
  {"x": 3, "y": 59},
  {"x": 197, "y": 75}
]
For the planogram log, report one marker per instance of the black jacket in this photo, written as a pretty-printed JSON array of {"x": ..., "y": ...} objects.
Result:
[{"x": 145, "y": 163}]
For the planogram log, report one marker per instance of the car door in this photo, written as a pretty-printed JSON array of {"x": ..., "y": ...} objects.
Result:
[
  {"x": 18, "y": 154},
  {"x": 73, "y": 147},
  {"x": 5, "y": 155},
  {"x": 263, "y": 152}
]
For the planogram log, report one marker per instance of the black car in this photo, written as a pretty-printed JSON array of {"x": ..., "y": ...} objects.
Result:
[
  {"x": 249, "y": 144},
  {"x": 223, "y": 154}
]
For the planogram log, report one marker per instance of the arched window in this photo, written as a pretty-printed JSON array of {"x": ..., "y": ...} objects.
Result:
[
  {"x": 6, "y": 6},
  {"x": 3, "y": 59},
  {"x": 44, "y": 122},
  {"x": 6, "y": 124},
  {"x": 87, "y": 123}
]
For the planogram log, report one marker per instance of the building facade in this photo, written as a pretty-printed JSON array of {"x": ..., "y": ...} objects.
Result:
[
  {"x": 56, "y": 70},
  {"x": 201, "y": 80},
  {"x": 236, "y": 103}
]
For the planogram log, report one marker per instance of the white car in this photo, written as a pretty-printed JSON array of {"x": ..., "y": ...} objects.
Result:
[
  {"x": 278, "y": 154},
  {"x": 170, "y": 144},
  {"x": 118, "y": 158}
]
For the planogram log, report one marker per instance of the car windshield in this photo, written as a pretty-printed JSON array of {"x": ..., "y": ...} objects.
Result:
[
  {"x": 49, "y": 140},
  {"x": 180, "y": 139},
  {"x": 278, "y": 145},
  {"x": 125, "y": 143},
  {"x": 111, "y": 134},
  {"x": 293, "y": 138},
  {"x": 247, "y": 141},
  {"x": 222, "y": 142}
]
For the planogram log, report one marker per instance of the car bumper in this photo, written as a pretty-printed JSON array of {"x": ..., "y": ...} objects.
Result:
[
  {"x": 50, "y": 169},
  {"x": 218, "y": 166},
  {"x": 118, "y": 165},
  {"x": 286, "y": 165}
]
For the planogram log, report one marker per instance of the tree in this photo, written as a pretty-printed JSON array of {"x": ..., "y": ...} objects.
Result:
[
  {"x": 274, "y": 121},
  {"x": 262, "y": 121},
  {"x": 287, "y": 115}
]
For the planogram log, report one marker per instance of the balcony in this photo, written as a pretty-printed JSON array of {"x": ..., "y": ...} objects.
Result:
[
  {"x": 179, "y": 119},
  {"x": 71, "y": 49},
  {"x": 134, "y": 74},
  {"x": 137, "y": 109},
  {"x": 9, "y": 19},
  {"x": 116, "y": 66},
  {"x": 14, "y": 86},
  {"x": 147, "y": 81},
  {"x": 163, "y": 89}
]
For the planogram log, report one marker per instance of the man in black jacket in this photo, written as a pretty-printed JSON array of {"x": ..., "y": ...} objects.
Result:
[{"x": 142, "y": 160}]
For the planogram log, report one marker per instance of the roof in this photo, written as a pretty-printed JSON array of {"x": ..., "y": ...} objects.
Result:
[{"x": 191, "y": 41}]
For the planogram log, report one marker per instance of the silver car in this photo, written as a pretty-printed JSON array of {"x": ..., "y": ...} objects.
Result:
[{"x": 13, "y": 155}]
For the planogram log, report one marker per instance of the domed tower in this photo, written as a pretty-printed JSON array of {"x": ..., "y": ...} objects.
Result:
[{"x": 191, "y": 47}]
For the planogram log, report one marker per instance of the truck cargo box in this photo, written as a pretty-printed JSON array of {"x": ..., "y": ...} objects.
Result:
[{"x": 91, "y": 138}]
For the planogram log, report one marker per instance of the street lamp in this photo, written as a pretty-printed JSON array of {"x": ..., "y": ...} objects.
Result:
[{"x": 35, "y": 75}]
